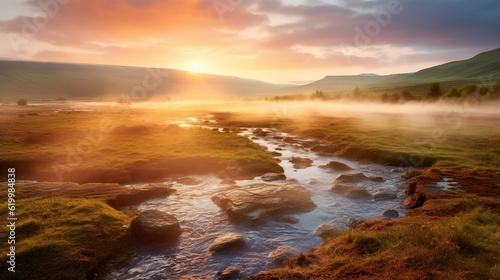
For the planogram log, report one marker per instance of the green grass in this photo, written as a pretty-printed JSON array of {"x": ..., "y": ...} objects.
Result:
[
  {"x": 63, "y": 238},
  {"x": 87, "y": 141}
]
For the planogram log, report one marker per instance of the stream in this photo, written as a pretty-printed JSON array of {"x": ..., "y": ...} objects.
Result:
[{"x": 202, "y": 221}]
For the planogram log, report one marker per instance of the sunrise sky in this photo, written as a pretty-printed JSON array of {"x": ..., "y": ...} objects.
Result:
[{"x": 270, "y": 40}]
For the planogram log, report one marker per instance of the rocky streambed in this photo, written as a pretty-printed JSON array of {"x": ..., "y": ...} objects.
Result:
[{"x": 232, "y": 229}]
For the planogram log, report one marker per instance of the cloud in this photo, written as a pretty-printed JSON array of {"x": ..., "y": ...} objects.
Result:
[{"x": 263, "y": 34}]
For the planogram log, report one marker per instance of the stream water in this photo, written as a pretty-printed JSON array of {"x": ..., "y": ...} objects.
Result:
[{"x": 202, "y": 221}]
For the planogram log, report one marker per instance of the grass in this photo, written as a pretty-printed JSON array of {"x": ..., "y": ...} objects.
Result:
[
  {"x": 63, "y": 238},
  {"x": 463, "y": 245},
  {"x": 50, "y": 143}
]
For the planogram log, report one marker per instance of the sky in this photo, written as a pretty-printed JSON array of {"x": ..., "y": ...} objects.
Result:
[{"x": 280, "y": 41}]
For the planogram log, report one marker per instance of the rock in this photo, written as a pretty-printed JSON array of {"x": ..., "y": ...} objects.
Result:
[
  {"x": 268, "y": 177},
  {"x": 390, "y": 213},
  {"x": 228, "y": 182},
  {"x": 279, "y": 149},
  {"x": 350, "y": 191},
  {"x": 322, "y": 150},
  {"x": 188, "y": 181},
  {"x": 260, "y": 132},
  {"x": 155, "y": 226},
  {"x": 313, "y": 182},
  {"x": 288, "y": 219},
  {"x": 380, "y": 194},
  {"x": 337, "y": 166},
  {"x": 300, "y": 163},
  {"x": 261, "y": 202},
  {"x": 353, "y": 223},
  {"x": 283, "y": 253},
  {"x": 226, "y": 242},
  {"x": 276, "y": 154},
  {"x": 410, "y": 173},
  {"x": 225, "y": 129},
  {"x": 228, "y": 273},
  {"x": 215, "y": 129},
  {"x": 356, "y": 177},
  {"x": 396, "y": 170},
  {"x": 327, "y": 230},
  {"x": 288, "y": 140}
]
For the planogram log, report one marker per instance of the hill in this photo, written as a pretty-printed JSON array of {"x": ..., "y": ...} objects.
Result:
[{"x": 48, "y": 80}]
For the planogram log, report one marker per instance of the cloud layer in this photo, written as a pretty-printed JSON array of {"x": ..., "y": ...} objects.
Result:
[{"x": 266, "y": 39}]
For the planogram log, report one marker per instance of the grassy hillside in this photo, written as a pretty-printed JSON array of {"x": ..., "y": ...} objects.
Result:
[{"x": 47, "y": 80}]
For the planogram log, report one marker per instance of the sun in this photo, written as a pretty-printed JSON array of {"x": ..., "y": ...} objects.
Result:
[{"x": 195, "y": 67}]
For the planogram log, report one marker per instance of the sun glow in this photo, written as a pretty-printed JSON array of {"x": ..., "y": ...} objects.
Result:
[{"x": 195, "y": 67}]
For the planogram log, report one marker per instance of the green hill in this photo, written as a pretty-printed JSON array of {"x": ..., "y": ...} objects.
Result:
[{"x": 48, "y": 80}]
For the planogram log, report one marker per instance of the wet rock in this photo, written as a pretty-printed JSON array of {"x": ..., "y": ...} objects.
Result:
[
  {"x": 353, "y": 223},
  {"x": 390, "y": 213},
  {"x": 288, "y": 219},
  {"x": 350, "y": 191},
  {"x": 260, "y": 132},
  {"x": 301, "y": 163},
  {"x": 226, "y": 242},
  {"x": 279, "y": 149},
  {"x": 337, "y": 166},
  {"x": 228, "y": 182},
  {"x": 410, "y": 173},
  {"x": 283, "y": 253},
  {"x": 155, "y": 226},
  {"x": 396, "y": 170},
  {"x": 356, "y": 177},
  {"x": 268, "y": 177},
  {"x": 215, "y": 129},
  {"x": 228, "y": 273},
  {"x": 189, "y": 181},
  {"x": 288, "y": 140},
  {"x": 380, "y": 194},
  {"x": 415, "y": 200},
  {"x": 276, "y": 154},
  {"x": 255, "y": 138},
  {"x": 226, "y": 129},
  {"x": 261, "y": 202},
  {"x": 327, "y": 230},
  {"x": 322, "y": 150},
  {"x": 313, "y": 182}
]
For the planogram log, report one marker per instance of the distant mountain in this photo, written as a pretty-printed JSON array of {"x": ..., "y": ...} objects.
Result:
[{"x": 48, "y": 80}]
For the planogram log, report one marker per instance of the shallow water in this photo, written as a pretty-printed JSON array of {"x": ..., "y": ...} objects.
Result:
[{"x": 202, "y": 221}]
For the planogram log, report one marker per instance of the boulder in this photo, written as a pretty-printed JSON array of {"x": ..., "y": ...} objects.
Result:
[
  {"x": 356, "y": 177},
  {"x": 350, "y": 191},
  {"x": 337, "y": 166},
  {"x": 226, "y": 242},
  {"x": 301, "y": 163},
  {"x": 190, "y": 181},
  {"x": 322, "y": 150},
  {"x": 268, "y": 177},
  {"x": 327, "y": 230},
  {"x": 380, "y": 194},
  {"x": 390, "y": 213},
  {"x": 283, "y": 253},
  {"x": 410, "y": 173},
  {"x": 228, "y": 273},
  {"x": 155, "y": 226},
  {"x": 260, "y": 132},
  {"x": 261, "y": 202},
  {"x": 313, "y": 182},
  {"x": 353, "y": 223}
]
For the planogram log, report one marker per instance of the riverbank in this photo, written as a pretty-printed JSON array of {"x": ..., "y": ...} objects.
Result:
[{"x": 447, "y": 234}]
